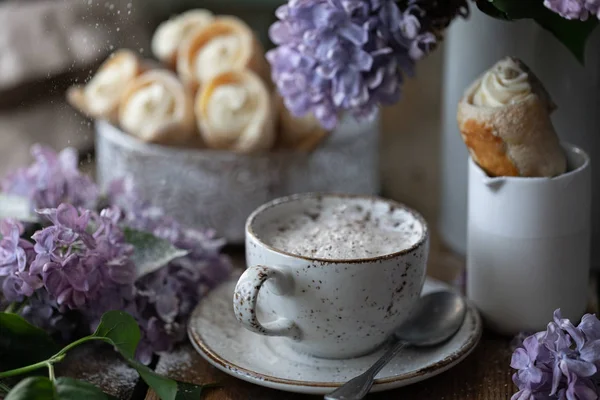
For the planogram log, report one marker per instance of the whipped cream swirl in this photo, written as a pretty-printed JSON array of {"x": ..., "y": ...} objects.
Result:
[
  {"x": 172, "y": 32},
  {"x": 147, "y": 108},
  {"x": 231, "y": 109},
  {"x": 104, "y": 90},
  {"x": 217, "y": 56},
  {"x": 506, "y": 83}
]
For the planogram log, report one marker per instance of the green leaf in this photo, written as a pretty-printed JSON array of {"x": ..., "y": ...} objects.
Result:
[
  {"x": 188, "y": 391},
  {"x": 16, "y": 207},
  {"x": 519, "y": 9},
  {"x": 150, "y": 252},
  {"x": 119, "y": 329},
  {"x": 487, "y": 7},
  {"x": 571, "y": 33},
  {"x": 41, "y": 388},
  {"x": 165, "y": 388},
  {"x": 33, "y": 388},
  {"x": 23, "y": 344},
  {"x": 72, "y": 389}
]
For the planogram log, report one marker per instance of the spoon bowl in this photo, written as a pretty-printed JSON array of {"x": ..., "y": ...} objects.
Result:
[{"x": 436, "y": 318}]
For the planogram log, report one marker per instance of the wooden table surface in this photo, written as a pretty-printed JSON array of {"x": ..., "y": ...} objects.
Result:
[{"x": 485, "y": 374}]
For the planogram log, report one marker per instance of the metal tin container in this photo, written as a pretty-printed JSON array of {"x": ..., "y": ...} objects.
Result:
[{"x": 219, "y": 189}]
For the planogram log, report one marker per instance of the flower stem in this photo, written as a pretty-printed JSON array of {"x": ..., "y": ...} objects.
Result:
[
  {"x": 48, "y": 363},
  {"x": 23, "y": 370},
  {"x": 50, "y": 371},
  {"x": 11, "y": 308},
  {"x": 59, "y": 356},
  {"x": 15, "y": 307}
]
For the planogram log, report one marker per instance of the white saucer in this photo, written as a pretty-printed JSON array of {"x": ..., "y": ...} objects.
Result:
[{"x": 267, "y": 361}]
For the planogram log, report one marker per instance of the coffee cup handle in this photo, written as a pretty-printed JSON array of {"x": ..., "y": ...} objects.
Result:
[{"x": 246, "y": 295}]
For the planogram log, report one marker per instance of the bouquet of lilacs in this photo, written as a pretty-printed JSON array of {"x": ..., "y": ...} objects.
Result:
[
  {"x": 562, "y": 362},
  {"x": 335, "y": 57},
  {"x": 70, "y": 252},
  {"x": 350, "y": 56}
]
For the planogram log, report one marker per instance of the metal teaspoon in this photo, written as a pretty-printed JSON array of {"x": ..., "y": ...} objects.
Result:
[{"x": 436, "y": 318}]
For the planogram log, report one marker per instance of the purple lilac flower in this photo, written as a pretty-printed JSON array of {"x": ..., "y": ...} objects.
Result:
[
  {"x": 336, "y": 56},
  {"x": 16, "y": 279},
  {"x": 111, "y": 249},
  {"x": 42, "y": 311},
  {"x": 574, "y": 9},
  {"x": 572, "y": 353},
  {"x": 590, "y": 327},
  {"x": 77, "y": 266},
  {"x": 81, "y": 261},
  {"x": 425, "y": 20},
  {"x": 593, "y": 6},
  {"x": 561, "y": 362},
  {"x": 524, "y": 360},
  {"x": 579, "y": 389},
  {"x": 165, "y": 298},
  {"x": 533, "y": 391},
  {"x": 569, "y": 9},
  {"x": 203, "y": 245},
  {"x": 51, "y": 180},
  {"x": 438, "y": 14}
]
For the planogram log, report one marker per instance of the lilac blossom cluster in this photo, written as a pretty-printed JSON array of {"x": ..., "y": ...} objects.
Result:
[
  {"x": 575, "y": 9},
  {"x": 80, "y": 259},
  {"x": 79, "y": 268},
  {"x": 74, "y": 264},
  {"x": 560, "y": 363},
  {"x": 350, "y": 56},
  {"x": 16, "y": 255},
  {"x": 51, "y": 180},
  {"x": 165, "y": 298}
]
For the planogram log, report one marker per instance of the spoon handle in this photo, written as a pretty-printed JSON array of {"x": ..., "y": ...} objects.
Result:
[{"x": 357, "y": 388}]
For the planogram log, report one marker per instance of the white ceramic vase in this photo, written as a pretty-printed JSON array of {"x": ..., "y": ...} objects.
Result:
[{"x": 473, "y": 46}]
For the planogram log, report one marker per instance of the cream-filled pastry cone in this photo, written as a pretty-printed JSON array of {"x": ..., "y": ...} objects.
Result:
[
  {"x": 504, "y": 119},
  {"x": 299, "y": 133},
  {"x": 157, "y": 108},
  {"x": 235, "y": 111},
  {"x": 226, "y": 44},
  {"x": 173, "y": 32},
  {"x": 99, "y": 98}
]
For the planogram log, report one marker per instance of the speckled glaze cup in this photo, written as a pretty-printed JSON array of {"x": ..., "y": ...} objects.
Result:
[{"x": 329, "y": 308}]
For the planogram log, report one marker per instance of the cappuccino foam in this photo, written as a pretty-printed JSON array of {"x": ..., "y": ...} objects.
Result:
[{"x": 348, "y": 229}]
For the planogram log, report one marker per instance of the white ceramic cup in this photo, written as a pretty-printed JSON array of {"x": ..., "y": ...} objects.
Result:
[
  {"x": 329, "y": 308},
  {"x": 528, "y": 247}
]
